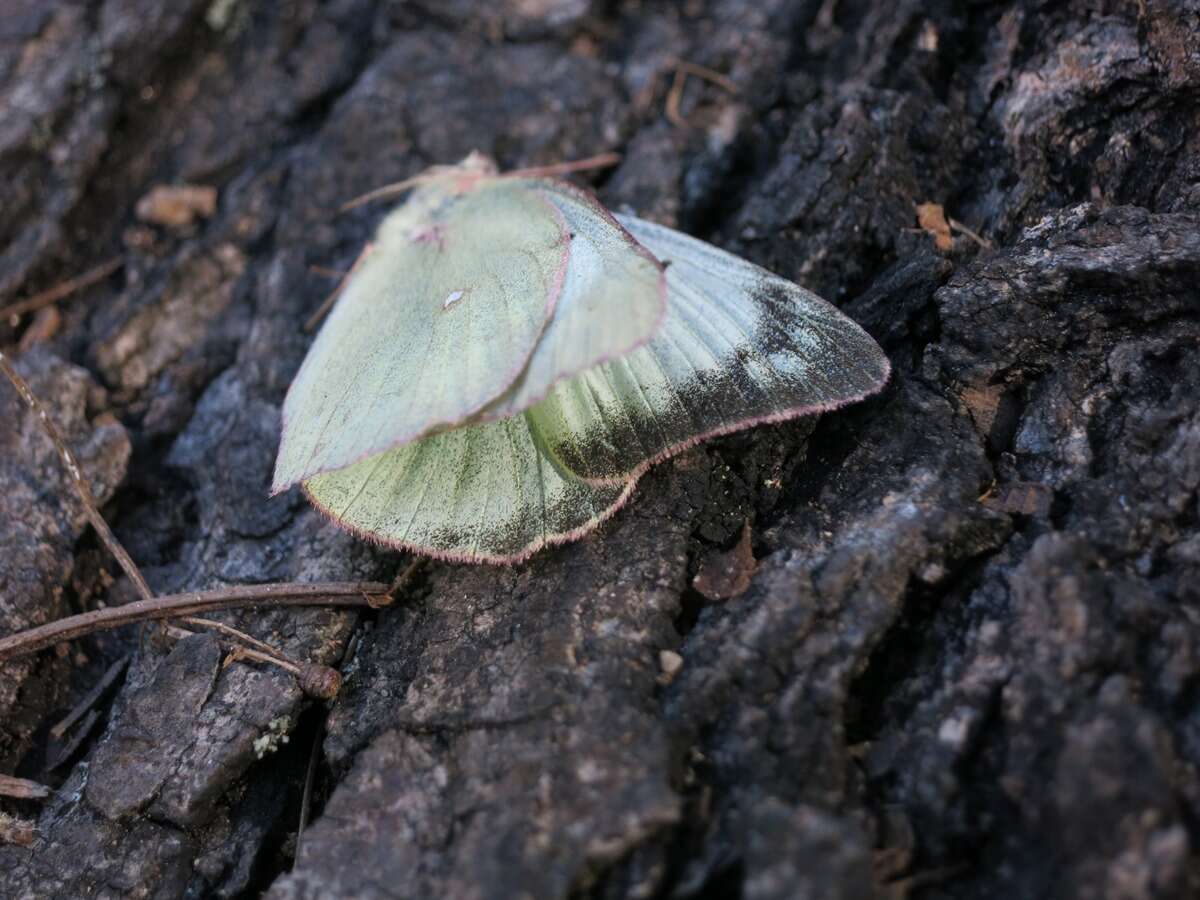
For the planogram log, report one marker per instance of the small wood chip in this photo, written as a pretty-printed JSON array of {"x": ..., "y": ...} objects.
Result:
[
  {"x": 669, "y": 663},
  {"x": 932, "y": 218},
  {"x": 982, "y": 403},
  {"x": 45, "y": 325},
  {"x": 16, "y": 831},
  {"x": 22, "y": 788},
  {"x": 1025, "y": 498},
  {"x": 177, "y": 206},
  {"x": 726, "y": 575}
]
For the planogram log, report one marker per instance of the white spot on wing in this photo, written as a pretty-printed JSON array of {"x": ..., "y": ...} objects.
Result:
[{"x": 454, "y": 297}]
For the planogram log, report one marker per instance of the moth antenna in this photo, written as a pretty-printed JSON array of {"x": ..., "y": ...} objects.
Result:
[
  {"x": 327, "y": 304},
  {"x": 380, "y": 193},
  {"x": 601, "y": 161},
  {"x": 683, "y": 69}
]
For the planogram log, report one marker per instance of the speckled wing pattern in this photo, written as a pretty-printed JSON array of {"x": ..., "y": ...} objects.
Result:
[
  {"x": 610, "y": 385},
  {"x": 484, "y": 493},
  {"x": 739, "y": 347}
]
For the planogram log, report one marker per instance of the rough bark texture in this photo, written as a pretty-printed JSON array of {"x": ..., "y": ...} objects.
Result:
[{"x": 966, "y": 665}]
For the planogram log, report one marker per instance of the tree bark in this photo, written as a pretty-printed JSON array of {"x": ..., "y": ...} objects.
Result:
[{"x": 966, "y": 663}]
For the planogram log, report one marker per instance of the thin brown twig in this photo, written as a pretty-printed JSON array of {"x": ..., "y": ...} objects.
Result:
[
  {"x": 236, "y": 651},
  {"x": 171, "y": 606},
  {"x": 81, "y": 486},
  {"x": 959, "y": 226},
  {"x": 310, "y": 773},
  {"x": 242, "y": 637},
  {"x": 406, "y": 575},
  {"x": 326, "y": 272},
  {"x": 683, "y": 69},
  {"x": 83, "y": 489},
  {"x": 70, "y": 747},
  {"x": 724, "y": 82},
  {"x": 310, "y": 778},
  {"x": 90, "y": 699},
  {"x": 314, "y": 678},
  {"x": 675, "y": 98},
  {"x": 63, "y": 289},
  {"x": 327, "y": 304}
]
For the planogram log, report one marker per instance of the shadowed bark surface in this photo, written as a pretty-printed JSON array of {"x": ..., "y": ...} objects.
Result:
[{"x": 965, "y": 665}]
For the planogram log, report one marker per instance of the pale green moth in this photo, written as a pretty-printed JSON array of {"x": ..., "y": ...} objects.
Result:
[{"x": 509, "y": 358}]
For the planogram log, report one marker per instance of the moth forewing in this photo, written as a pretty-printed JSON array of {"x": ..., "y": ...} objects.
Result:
[{"x": 398, "y": 358}]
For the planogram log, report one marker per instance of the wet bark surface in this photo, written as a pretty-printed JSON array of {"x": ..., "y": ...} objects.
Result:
[{"x": 965, "y": 664}]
